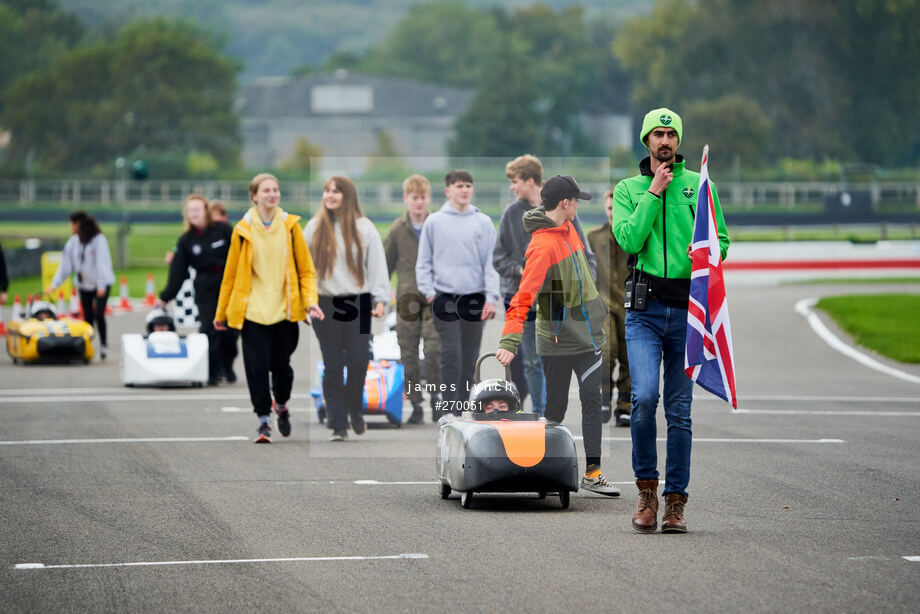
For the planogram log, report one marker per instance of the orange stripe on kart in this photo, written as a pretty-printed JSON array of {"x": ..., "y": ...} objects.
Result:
[{"x": 525, "y": 442}]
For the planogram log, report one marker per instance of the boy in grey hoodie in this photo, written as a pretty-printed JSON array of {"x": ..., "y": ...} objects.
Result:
[{"x": 454, "y": 273}]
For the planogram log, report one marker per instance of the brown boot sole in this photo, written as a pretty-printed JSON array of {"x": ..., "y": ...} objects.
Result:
[
  {"x": 642, "y": 529},
  {"x": 665, "y": 529}
]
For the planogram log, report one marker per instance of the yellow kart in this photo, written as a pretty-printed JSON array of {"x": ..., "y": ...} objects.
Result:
[{"x": 42, "y": 338}]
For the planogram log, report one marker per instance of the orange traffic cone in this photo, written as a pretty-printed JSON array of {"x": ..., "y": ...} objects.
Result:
[
  {"x": 124, "y": 303},
  {"x": 2, "y": 325},
  {"x": 150, "y": 293},
  {"x": 60, "y": 307},
  {"x": 18, "y": 312},
  {"x": 76, "y": 307}
]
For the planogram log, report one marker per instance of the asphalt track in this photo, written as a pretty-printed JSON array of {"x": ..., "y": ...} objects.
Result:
[{"x": 117, "y": 499}]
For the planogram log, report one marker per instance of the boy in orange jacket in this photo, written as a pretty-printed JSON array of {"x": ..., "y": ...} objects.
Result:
[{"x": 570, "y": 317}]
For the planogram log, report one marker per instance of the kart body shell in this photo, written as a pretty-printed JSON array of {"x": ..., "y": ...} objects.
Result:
[
  {"x": 63, "y": 340},
  {"x": 383, "y": 390},
  {"x": 164, "y": 358},
  {"x": 523, "y": 453}
]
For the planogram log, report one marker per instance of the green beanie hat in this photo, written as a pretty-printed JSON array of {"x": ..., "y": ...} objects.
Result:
[{"x": 663, "y": 117}]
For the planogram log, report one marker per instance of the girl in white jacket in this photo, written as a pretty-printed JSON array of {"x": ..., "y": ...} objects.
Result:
[{"x": 86, "y": 256}]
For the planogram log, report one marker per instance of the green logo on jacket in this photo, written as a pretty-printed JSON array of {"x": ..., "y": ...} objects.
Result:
[
  {"x": 665, "y": 120},
  {"x": 688, "y": 192}
]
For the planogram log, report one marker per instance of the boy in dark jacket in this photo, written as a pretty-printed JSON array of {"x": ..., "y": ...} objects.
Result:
[
  {"x": 413, "y": 316},
  {"x": 570, "y": 317}
]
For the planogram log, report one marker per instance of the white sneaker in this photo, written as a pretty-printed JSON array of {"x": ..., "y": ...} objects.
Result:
[{"x": 600, "y": 485}]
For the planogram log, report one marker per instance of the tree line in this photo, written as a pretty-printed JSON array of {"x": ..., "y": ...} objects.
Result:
[{"x": 761, "y": 81}]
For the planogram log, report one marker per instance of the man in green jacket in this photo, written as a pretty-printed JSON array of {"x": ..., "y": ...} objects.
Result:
[
  {"x": 413, "y": 317},
  {"x": 653, "y": 216}
]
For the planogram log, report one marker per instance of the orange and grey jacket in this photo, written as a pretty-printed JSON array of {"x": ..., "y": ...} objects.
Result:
[
  {"x": 570, "y": 312},
  {"x": 299, "y": 278}
]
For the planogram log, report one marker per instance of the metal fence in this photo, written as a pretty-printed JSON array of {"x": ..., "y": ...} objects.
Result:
[{"x": 154, "y": 194}]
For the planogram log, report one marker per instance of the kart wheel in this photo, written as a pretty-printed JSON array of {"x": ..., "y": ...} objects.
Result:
[
  {"x": 564, "y": 499},
  {"x": 129, "y": 385},
  {"x": 445, "y": 490},
  {"x": 541, "y": 494},
  {"x": 466, "y": 499}
]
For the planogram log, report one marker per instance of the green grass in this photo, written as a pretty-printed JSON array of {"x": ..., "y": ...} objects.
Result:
[
  {"x": 853, "y": 280},
  {"x": 885, "y": 323},
  {"x": 137, "y": 280},
  {"x": 859, "y": 234}
]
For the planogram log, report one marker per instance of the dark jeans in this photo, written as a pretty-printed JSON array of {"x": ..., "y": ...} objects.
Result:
[
  {"x": 94, "y": 311},
  {"x": 587, "y": 367},
  {"x": 457, "y": 320},
  {"x": 344, "y": 346},
  {"x": 267, "y": 350},
  {"x": 654, "y": 337}
]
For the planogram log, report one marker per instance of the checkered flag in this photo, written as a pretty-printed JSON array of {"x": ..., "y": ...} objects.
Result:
[{"x": 186, "y": 311}]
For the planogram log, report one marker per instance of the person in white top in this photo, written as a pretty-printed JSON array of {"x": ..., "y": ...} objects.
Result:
[
  {"x": 353, "y": 285},
  {"x": 86, "y": 256}
]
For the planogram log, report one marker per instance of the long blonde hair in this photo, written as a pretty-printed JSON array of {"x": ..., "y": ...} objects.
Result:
[
  {"x": 207, "y": 210},
  {"x": 324, "y": 245}
]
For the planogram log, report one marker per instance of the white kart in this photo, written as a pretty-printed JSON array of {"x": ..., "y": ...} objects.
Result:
[{"x": 163, "y": 357}]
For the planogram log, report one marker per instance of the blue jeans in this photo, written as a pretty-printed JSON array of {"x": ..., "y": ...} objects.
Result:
[
  {"x": 533, "y": 367},
  {"x": 658, "y": 333}
]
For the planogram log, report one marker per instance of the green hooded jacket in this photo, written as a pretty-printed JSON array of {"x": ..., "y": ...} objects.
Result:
[{"x": 659, "y": 229}]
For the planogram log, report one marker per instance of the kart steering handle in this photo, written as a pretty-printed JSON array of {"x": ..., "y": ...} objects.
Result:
[{"x": 477, "y": 379}]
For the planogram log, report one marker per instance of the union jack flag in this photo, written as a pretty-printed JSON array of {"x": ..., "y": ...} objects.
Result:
[{"x": 708, "y": 359}]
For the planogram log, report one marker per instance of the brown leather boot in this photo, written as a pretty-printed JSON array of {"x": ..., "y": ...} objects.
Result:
[
  {"x": 673, "y": 521},
  {"x": 646, "y": 518}
]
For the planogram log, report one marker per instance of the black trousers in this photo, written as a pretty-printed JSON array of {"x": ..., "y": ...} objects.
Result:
[
  {"x": 207, "y": 290},
  {"x": 345, "y": 341},
  {"x": 457, "y": 320},
  {"x": 226, "y": 342},
  {"x": 587, "y": 367},
  {"x": 267, "y": 352},
  {"x": 94, "y": 311}
]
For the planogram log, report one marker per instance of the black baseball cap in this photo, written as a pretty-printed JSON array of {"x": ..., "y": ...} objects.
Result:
[{"x": 560, "y": 187}]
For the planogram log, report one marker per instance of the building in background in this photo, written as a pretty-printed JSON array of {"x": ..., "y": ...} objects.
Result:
[{"x": 346, "y": 114}]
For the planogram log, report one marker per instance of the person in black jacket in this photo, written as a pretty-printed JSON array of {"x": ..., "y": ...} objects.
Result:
[{"x": 203, "y": 246}]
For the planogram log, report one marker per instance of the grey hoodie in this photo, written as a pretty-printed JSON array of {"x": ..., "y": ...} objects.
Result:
[
  {"x": 455, "y": 254},
  {"x": 91, "y": 263}
]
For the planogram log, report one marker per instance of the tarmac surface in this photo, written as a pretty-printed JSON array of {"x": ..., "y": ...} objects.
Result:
[{"x": 148, "y": 500}]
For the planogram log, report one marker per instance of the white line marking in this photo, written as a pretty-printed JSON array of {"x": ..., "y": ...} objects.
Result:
[
  {"x": 868, "y": 558},
  {"x": 830, "y": 412},
  {"x": 375, "y": 483},
  {"x": 127, "y": 398},
  {"x": 236, "y": 410},
  {"x": 815, "y": 399},
  {"x": 727, "y": 440},
  {"x": 70, "y": 394},
  {"x": 41, "y": 442},
  {"x": 912, "y": 559},
  {"x": 804, "y": 307},
  {"x": 225, "y": 561}
]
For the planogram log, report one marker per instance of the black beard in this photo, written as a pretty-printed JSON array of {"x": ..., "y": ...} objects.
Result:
[{"x": 666, "y": 156}]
